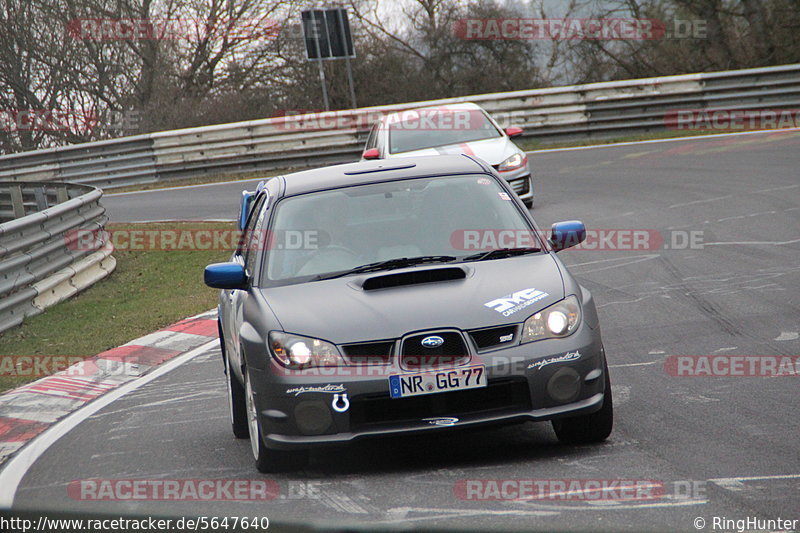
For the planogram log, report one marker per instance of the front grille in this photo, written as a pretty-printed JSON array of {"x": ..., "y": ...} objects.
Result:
[
  {"x": 366, "y": 353},
  {"x": 501, "y": 395},
  {"x": 491, "y": 337},
  {"x": 521, "y": 186},
  {"x": 453, "y": 351}
]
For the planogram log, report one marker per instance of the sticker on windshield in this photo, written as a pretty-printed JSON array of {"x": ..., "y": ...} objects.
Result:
[
  {"x": 504, "y": 196},
  {"x": 511, "y": 303},
  {"x": 484, "y": 181}
]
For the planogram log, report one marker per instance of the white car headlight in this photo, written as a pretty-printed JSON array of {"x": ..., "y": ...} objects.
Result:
[
  {"x": 294, "y": 351},
  {"x": 559, "y": 320},
  {"x": 513, "y": 163}
]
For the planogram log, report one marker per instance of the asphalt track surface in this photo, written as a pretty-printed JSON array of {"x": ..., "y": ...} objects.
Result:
[{"x": 733, "y": 439}]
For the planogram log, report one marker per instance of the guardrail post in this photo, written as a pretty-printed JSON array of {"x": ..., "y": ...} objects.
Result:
[{"x": 17, "y": 204}]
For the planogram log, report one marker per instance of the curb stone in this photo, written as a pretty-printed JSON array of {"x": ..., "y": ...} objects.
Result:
[{"x": 27, "y": 411}]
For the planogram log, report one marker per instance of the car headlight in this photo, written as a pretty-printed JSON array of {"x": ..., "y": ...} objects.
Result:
[
  {"x": 513, "y": 163},
  {"x": 294, "y": 351},
  {"x": 559, "y": 320}
]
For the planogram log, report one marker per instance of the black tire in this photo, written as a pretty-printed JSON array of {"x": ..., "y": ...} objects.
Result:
[
  {"x": 587, "y": 429},
  {"x": 268, "y": 460},
  {"x": 235, "y": 393},
  {"x": 237, "y": 404},
  {"x": 528, "y": 203}
]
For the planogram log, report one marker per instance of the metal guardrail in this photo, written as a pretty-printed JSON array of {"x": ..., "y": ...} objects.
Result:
[
  {"x": 41, "y": 262},
  {"x": 598, "y": 110}
]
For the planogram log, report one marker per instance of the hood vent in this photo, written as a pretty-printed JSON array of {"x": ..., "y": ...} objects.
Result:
[{"x": 413, "y": 277}]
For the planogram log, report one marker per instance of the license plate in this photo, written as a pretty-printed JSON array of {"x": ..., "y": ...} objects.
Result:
[{"x": 405, "y": 385}]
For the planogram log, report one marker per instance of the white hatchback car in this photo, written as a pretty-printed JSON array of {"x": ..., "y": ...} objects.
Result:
[{"x": 463, "y": 128}]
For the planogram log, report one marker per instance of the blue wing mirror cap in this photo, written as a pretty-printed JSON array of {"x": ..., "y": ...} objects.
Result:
[
  {"x": 244, "y": 209},
  {"x": 567, "y": 234},
  {"x": 225, "y": 276}
]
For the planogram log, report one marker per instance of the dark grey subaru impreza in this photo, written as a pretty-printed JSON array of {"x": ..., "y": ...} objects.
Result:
[{"x": 410, "y": 295}]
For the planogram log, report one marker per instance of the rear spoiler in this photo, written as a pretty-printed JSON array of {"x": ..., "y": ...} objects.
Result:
[{"x": 247, "y": 204}]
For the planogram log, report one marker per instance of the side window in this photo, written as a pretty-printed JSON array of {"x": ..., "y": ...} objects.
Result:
[
  {"x": 241, "y": 248},
  {"x": 372, "y": 138},
  {"x": 255, "y": 241}
]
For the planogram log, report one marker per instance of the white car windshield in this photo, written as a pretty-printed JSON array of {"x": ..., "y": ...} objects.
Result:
[{"x": 429, "y": 128}]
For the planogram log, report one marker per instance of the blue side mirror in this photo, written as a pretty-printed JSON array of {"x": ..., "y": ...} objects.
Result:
[
  {"x": 225, "y": 276},
  {"x": 567, "y": 234}
]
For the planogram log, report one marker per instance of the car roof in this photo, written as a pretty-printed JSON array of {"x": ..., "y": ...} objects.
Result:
[{"x": 380, "y": 170}]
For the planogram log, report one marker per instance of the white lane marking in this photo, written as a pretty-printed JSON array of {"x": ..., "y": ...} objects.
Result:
[
  {"x": 787, "y": 336},
  {"x": 16, "y": 468},
  {"x": 177, "y": 220},
  {"x": 629, "y": 260},
  {"x": 548, "y": 150},
  {"x": 543, "y": 510},
  {"x": 722, "y": 481},
  {"x": 779, "y": 189},
  {"x": 654, "y": 141},
  {"x": 748, "y": 243},
  {"x": 726, "y": 349},
  {"x": 198, "y": 186},
  {"x": 635, "y": 364},
  {"x": 701, "y": 202},
  {"x": 341, "y": 502}
]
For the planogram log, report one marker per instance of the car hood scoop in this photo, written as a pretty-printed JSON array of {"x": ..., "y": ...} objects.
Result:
[{"x": 413, "y": 277}]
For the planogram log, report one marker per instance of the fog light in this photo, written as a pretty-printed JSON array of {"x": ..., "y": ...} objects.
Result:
[
  {"x": 564, "y": 385},
  {"x": 312, "y": 417}
]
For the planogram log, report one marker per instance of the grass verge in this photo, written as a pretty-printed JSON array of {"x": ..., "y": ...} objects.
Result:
[{"x": 148, "y": 290}]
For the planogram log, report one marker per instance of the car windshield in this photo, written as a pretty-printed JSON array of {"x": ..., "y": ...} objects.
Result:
[
  {"x": 423, "y": 220},
  {"x": 428, "y": 128}
]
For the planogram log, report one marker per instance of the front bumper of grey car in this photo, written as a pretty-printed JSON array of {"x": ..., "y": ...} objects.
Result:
[{"x": 540, "y": 380}]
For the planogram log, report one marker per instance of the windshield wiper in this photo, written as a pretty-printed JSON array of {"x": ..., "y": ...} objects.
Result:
[
  {"x": 500, "y": 253},
  {"x": 389, "y": 264}
]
